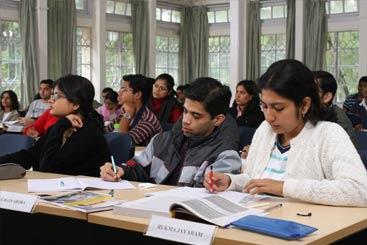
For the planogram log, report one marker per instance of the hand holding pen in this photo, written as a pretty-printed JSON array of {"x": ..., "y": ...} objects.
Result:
[
  {"x": 111, "y": 172},
  {"x": 216, "y": 182}
]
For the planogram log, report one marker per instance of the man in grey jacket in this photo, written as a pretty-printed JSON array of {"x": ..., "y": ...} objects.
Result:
[{"x": 204, "y": 137}]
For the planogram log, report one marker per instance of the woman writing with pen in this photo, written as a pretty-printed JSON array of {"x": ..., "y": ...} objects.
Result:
[{"x": 296, "y": 153}]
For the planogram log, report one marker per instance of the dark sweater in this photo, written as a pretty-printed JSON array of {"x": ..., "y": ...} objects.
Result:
[
  {"x": 250, "y": 118},
  {"x": 82, "y": 154}
]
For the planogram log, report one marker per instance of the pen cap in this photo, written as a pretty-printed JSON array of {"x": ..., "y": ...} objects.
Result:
[{"x": 116, "y": 127}]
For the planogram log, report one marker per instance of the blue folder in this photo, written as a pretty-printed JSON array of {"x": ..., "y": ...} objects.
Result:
[{"x": 274, "y": 227}]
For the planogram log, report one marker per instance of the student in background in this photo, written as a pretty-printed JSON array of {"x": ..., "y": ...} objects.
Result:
[
  {"x": 163, "y": 102},
  {"x": 353, "y": 99},
  {"x": 9, "y": 106},
  {"x": 136, "y": 119},
  {"x": 205, "y": 137},
  {"x": 358, "y": 111},
  {"x": 294, "y": 152},
  {"x": 37, "y": 107},
  {"x": 110, "y": 108},
  {"x": 74, "y": 145},
  {"x": 327, "y": 90},
  {"x": 180, "y": 94},
  {"x": 246, "y": 109}
]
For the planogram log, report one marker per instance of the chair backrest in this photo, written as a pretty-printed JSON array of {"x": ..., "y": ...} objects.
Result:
[
  {"x": 166, "y": 126},
  {"x": 121, "y": 146},
  {"x": 10, "y": 143},
  {"x": 361, "y": 140},
  {"x": 246, "y": 135},
  {"x": 363, "y": 155}
]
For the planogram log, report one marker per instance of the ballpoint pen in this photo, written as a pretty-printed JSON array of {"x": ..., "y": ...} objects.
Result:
[
  {"x": 272, "y": 207},
  {"x": 114, "y": 167},
  {"x": 211, "y": 178}
]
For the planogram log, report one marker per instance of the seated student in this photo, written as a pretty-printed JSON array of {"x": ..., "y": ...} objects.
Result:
[
  {"x": 205, "y": 137},
  {"x": 327, "y": 90},
  {"x": 353, "y": 99},
  {"x": 110, "y": 108},
  {"x": 294, "y": 152},
  {"x": 163, "y": 102},
  {"x": 358, "y": 112},
  {"x": 9, "y": 106},
  {"x": 246, "y": 109},
  {"x": 136, "y": 118},
  {"x": 41, "y": 125},
  {"x": 74, "y": 145},
  {"x": 37, "y": 107}
]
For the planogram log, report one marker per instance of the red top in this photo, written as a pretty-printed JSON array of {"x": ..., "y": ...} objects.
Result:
[
  {"x": 175, "y": 112},
  {"x": 42, "y": 123}
]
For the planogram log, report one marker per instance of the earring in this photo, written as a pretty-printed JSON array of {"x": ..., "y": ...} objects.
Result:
[{"x": 303, "y": 114}]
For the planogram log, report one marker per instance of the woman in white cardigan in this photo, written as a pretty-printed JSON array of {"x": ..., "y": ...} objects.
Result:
[{"x": 296, "y": 153}]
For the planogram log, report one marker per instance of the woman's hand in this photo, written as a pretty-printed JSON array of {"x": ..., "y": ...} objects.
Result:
[
  {"x": 76, "y": 121},
  {"x": 261, "y": 186},
  {"x": 218, "y": 182},
  {"x": 108, "y": 174}
]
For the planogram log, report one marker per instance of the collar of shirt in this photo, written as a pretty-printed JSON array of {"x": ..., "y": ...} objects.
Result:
[{"x": 363, "y": 103}]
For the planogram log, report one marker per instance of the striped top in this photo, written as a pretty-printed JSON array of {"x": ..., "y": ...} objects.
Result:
[
  {"x": 351, "y": 101},
  {"x": 37, "y": 108},
  {"x": 277, "y": 162},
  {"x": 143, "y": 130}
]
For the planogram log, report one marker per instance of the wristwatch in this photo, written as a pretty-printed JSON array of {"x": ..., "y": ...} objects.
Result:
[{"x": 126, "y": 115}]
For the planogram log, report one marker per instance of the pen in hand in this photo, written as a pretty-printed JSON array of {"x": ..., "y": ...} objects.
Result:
[
  {"x": 211, "y": 178},
  {"x": 114, "y": 167}
]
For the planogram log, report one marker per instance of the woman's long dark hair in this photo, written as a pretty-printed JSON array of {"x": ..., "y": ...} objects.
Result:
[
  {"x": 13, "y": 99},
  {"x": 251, "y": 89},
  {"x": 80, "y": 90},
  {"x": 294, "y": 81}
]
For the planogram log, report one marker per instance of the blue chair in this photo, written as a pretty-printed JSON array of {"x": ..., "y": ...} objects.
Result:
[
  {"x": 10, "y": 143},
  {"x": 246, "y": 135},
  {"x": 361, "y": 140},
  {"x": 363, "y": 155},
  {"x": 121, "y": 146}
]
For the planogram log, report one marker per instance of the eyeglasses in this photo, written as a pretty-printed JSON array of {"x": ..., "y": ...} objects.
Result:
[
  {"x": 156, "y": 86},
  {"x": 56, "y": 96},
  {"x": 124, "y": 89}
]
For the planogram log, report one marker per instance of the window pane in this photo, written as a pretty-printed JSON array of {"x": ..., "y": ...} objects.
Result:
[
  {"x": 110, "y": 7},
  {"x": 158, "y": 13},
  {"x": 265, "y": 13},
  {"x": 120, "y": 8},
  {"x": 176, "y": 16},
  {"x": 80, "y": 4},
  {"x": 166, "y": 15},
  {"x": 128, "y": 9},
  {"x": 350, "y": 6},
  {"x": 278, "y": 11},
  {"x": 84, "y": 65},
  {"x": 336, "y": 6},
  {"x": 327, "y": 7},
  {"x": 211, "y": 17},
  {"x": 221, "y": 16},
  {"x": 167, "y": 56},
  {"x": 219, "y": 48},
  {"x": 272, "y": 49},
  {"x": 10, "y": 57}
]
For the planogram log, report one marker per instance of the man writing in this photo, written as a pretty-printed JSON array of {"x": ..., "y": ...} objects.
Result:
[{"x": 205, "y": 137}]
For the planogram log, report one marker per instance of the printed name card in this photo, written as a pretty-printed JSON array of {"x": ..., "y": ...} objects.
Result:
[
  {"x": 17, "y": 201},
  {"x": 180, "y": 230}
]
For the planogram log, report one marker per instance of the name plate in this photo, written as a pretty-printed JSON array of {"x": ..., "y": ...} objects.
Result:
[
  {"x": 17, "y": 201},
  {"x": 180, "y": 230}
]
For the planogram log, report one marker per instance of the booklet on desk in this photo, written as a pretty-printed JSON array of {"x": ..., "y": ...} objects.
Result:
[
  {"x": 211, "y": 209},
  {"x": 84, "y": 201},
  {"x": 75, "y": 183}
]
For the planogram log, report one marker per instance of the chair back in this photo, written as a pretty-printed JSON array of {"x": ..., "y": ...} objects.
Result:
[
  {"x": 361, "y": 140},
  {"x": 121, "y": 146},
  {"x": 10, "y": 143},
  {"x": 246, "y": 135}
]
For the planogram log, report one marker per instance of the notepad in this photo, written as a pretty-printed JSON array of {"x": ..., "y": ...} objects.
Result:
[{"x": 75, "y": 183}]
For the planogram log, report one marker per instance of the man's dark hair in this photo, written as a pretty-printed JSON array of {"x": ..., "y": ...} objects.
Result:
[
  {"x": 326, "y": 82},
  {"x": 140, "y": 83},
  {"x": 363, "y": 79},
  {"x": 106, "y": 90},
  {"x": 180, "y": 87},
  {"x": 209, "y": 91},
  {"x": 48, "y": 82}
]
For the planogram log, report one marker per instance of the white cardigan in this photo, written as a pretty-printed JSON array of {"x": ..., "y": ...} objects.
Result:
[{"x": 323, "y": 165}]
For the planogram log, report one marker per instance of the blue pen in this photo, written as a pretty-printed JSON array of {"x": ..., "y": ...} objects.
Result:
[
  {"x": 114, "y": 167},
  {"x": 62, "y": 184}
]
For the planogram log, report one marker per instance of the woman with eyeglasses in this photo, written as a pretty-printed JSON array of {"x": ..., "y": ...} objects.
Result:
[
  {"x": 296, "y": 152},
  {"x": 163, "y": 102},
  {"x": 74, "y": 145}
]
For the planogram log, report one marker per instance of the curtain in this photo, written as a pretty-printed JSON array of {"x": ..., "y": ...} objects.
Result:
[
  {"x": 315, "y": 33},
  {"x": 290, "y": 29},
  {"x": 253, "y": 40},
  {"x": 140, "y": 28},
  {"x": 29, "y": 42},
  {"x": 194, "y": 49},
  {"x": 61, "y": 38}
]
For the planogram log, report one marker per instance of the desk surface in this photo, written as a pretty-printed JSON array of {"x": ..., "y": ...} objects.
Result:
[{"x": 333, "y": 223}]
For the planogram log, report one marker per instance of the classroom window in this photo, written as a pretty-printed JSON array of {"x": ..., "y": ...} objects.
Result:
[
  {"x": 219, "y": 48},
  {"x": 168, "y": 15},
  {"x": 342, "y": 61},
  {"x": 167, "y": 56},
  {"x": 272, "y": 49},
  {"x": 341, "y": 6},
  {"x": 218, "y": 16},
  {"x": 81, "y": 4},
  {"x": 115, "y": 7},
  {"x": 10, "y": 57},
  {"x": 119, "y": 57},
  {"x": 277, "y": 11},
  {"x": 84, "y": 52}
]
